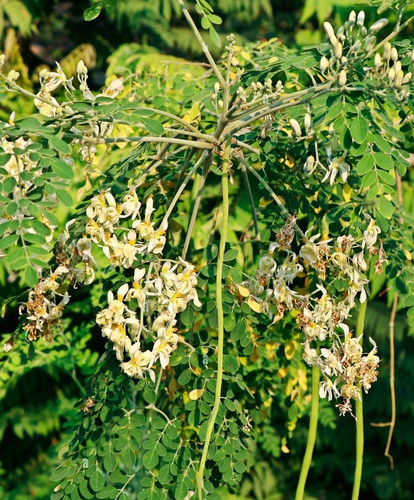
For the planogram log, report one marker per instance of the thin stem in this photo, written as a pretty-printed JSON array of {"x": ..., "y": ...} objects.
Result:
[
  {"x": 182, "y": 187},
  {"x": 313, "y": 424},
  {"x": 169, "y": 115},
  {"x": 359, "y": 416},
  {"x": 251, "y": 199},
  {"x": 146, "y": 138},
  {"x": 220, "y": 326},
  {"x": 199, "y": 190},
  {"x": 190, "y": 133},
  {"x": 269, "y": 190},
  {"x": 202, "y": 43}
]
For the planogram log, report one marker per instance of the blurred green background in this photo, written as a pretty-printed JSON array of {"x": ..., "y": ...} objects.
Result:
[{"x": 39, "y": 385}]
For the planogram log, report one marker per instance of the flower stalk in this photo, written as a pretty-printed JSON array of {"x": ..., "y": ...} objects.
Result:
[{"x": 313, "y": 424}]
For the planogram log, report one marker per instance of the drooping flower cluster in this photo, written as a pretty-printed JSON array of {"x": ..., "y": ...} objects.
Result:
[
  {"x": 146, "y": 311},
  {"x": 46, "y": 302},
  {"x": 119, "y": 244},
  {"x": 338, "y": 267}
]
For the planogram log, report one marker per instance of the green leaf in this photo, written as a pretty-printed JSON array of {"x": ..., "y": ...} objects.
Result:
[
  {"x": 40, "y": 228},
  {"x": 359, "y": 129},
  {"x": 365, "y": 165},
  {"x": 61, "y": 168},
  {"x": 230, "y": 255},
  {"x": 30, "y": 276},
  {"x": 7, "y": 241},
  {"x": 386, "y": 177},
  {"x": 185, "y": 377},
  {"x": 109, "y": 461},
  {"x": 164, "y": 475},
  {"x": 238, "y": 331},
  {"x": 150, "y": 459},
  {"x": 385, "y": 207},
  {"x": 129, "y": 458},
  {"x": 214, "y": 19},
  {"x": 205, "y": 23},
  {"x": 230, "y": 364},
  {"x": 215, "y": 37},
  {"x": 92, "y": 12},
  {"x": 384, "y": 161},
  {"x": 97, "y": 481},
  {"x": 59, "y": 474},
  {"x": 64, "y": 197},
  {"x": 58, "y": 144},
  {"x": 9, "y": 184},
  {"x": 107, "y": 493},
  {"x": 181, "y": 490},
  {"x": 153, "y": 126}
]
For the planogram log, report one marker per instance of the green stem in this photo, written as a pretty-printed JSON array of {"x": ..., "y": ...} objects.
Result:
[
  {"x": 359, "y": 415},
  {"x": 313, "y": 424},
  {"x": 220, "y": 327}
]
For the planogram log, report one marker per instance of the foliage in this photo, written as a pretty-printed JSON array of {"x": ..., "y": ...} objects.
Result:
[{"x": 275, "y": 171}]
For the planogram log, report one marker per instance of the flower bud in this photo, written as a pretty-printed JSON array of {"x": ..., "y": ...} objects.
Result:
[
  {"x": 13, "y": 75},
  {"x": 344, "y": 60},
  {"x": 333, "y": 40},
  {"x": 378, "y": 25},
  {"x": 412, "y": 56},
  {"x": 338, "y": 50},
  {"x": 8, "y": 346},
  {"x": 399, "y": 76},
  {"x": 324, "y": 64},
  {"x": 295, "y": 127},
  {"x": 370, "y": 42},
  {"x": 328, "y": 29},
  {"x": 387, "y": 51},
  {"x": 309, "y": 166},
  {"x": 397, "y": 67},
  {"x": 352, "y": 18},
  {"x": 361, "y": 18},
  {"x": 356, "y": 46},
  {"x": 308, "y": 122},
  {"x": 342, "y": 78},
  {"x": 216, "y": 88},
  {"x": 394, "y": 54},
  {"x": 377, "y": 60},
  {"x": 2, "y": 59},
  {"x": 391, "y": 74},
  {"x": 81, "y": 68},
  {"x": 407, "y": 78}
]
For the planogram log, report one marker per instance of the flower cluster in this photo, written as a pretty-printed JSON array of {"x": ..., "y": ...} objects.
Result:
[
  {"x": 105, "y": 216},
  {"x": 146, "y": 311},
  {"x": 338, "y": 267},
  {"x": 46, "y": 302}
]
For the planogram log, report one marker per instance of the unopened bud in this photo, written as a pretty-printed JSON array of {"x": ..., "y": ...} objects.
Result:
[
  {"x": 356, "y": 46},
  {"x": 2, "y": 59},
  {"x": 394, "y": 54},
  {"x": 328, "y": 29},
  {"x": 8, "y": 346},
  {"x": 13, "y": 75},
  {"x": 377, "y": 60},
  {"x": 361, "y": 18},
  {"x": 344, "y": 60},
  {"x": 338, "y": 50},
  {"x": 407, "y": 78},
  {"x": 370, "y": 42},
  {"x": 333, "y": 40},
  {"x": 295, "y": 127},
  {"x": 412, "y": 56},
  {"x": 352, "y": 18},
  {"x": 397, "y": 67},
  {"x": 309, "y": 166},
  {"x": 378, "y": 25},
  {"x": 387, "y": 51},
  {"x": 81, "y": 68},
  {"x": 216, "y": 88},
  {"x": 220, "y": 103},
  {"x": 342, "y": 78},
  {"x": 398, "y": 79},
  {"x": 324, "y": 64},
  {"x": 391, "y": 74},
  {"x": 307, "y": 122}
]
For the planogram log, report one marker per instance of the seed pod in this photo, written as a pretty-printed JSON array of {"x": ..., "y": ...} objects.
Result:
[
  {"x": 391, "y": 74},
  {"x": 307, "y": 122},
  {"x": 399, "y": 76},
  {"x": 387, "y": 51},
  {"x": 309, "y": 166},
  {"x": 342, "y": 78},
  {"x": 328, "y": 29},
  {"x": 295, "y": 127},
  {"x": 378, "y": 25},
  {"x": 407, "y": 78},
  {"x": 324, "y": 64},
  {"x": 352, "y": 18},
  {"x": 338, "y": 50},
  {"x": 361, "y": 18},
  {"x": 377, "y": 60},
  {"x": 394, "y": 54}
]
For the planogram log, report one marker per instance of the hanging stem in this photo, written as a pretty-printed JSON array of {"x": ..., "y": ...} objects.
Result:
[
  {"x": 359, "y": 415},
  {"x": 313, "y": 424},
  {"x": 220, "y": 327}
]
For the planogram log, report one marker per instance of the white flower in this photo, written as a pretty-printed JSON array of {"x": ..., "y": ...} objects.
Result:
[
  {"x": 327, "y": 388},
  {"x": 337, "y": 165}
]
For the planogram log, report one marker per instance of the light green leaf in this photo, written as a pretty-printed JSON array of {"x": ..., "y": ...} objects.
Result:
[{"x": 359, "y": 129}]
